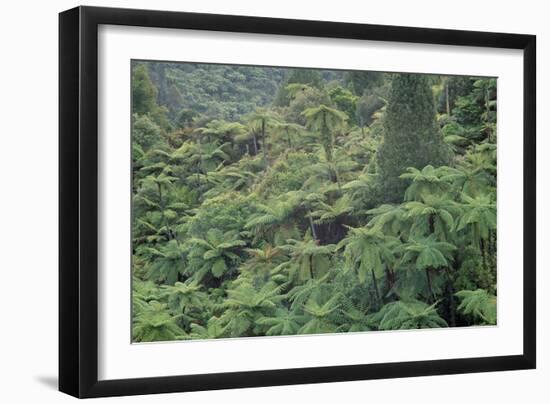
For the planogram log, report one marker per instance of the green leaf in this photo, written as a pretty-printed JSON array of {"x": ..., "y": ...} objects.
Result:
[{"x": 219, "y": 267}]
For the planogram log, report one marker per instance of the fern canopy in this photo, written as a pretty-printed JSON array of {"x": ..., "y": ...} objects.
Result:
[{"x": 273, "y": 201}]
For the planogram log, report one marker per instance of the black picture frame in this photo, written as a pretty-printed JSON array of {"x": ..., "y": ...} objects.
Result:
[{"x": 78, "y": 201}]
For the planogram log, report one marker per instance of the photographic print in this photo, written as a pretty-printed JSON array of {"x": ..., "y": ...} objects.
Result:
[{"x": 276, "y": 201}]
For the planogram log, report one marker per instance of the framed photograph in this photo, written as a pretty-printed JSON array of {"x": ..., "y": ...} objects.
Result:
[{"x": 251, "y": 201}]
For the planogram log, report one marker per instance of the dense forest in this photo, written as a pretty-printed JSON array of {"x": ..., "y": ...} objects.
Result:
[{"x": 280, "y": 201}]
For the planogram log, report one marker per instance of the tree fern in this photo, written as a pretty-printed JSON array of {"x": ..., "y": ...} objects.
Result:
[
  {"x": 427, "y": 181},
  {"x": 324, "y": 211},
  {"x": 214, "y": 254},
  {"x": 402, "y": 315},
  {"x": 282, "y": 322},
  {"x": 154, "y": 323},
  {"x": 479, "y": 304}
]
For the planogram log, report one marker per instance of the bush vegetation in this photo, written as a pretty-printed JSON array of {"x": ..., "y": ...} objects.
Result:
[{"x": 275, "y": 201}]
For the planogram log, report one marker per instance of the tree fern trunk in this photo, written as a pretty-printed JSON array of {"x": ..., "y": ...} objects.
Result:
[
  {"x": 255, "y": 143},
  {"x": 312, "y": 225},
  {"x": 325, "y": 132},
  {"x": 389, "y": 277},
  {"x": 482, "y": 248},
  {"x": 487, "y": 104},
  {"x": 161, "y": 203},
  {"x": 431, "y": 224},
  {"x": 264, "y": 145},
  {"x": 288, "y": 139},
  {"x": 200, "y": 154},
  {"x": 430, "y": 287},
  {"x": 447, "y": 103},
  {"x": 337, "y": 178},
  {"x": 376, "y": 289},
  {"x": 451, "y": 304},
  {"x": 162, "y": 215}
]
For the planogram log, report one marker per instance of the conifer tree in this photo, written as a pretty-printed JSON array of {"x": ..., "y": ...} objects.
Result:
[
  {"x": 412, "y": 138},
  {"x": 144, "y": 92}
]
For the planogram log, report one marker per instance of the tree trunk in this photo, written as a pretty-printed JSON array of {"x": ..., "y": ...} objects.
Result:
[
  {"x": 450, "y": 297},
  {"x": 255, "y": 143},
  {"x": 491, "y": 250},
  {"x": 264, "y": 145},
  {"x": 431, "y": 224},
  {"x": 390, "y": 277},
  {"x": 483, "y": 249},
  {"x": 159, "y": 192},
  {"x": 447, "y": 104},
  {"x": 201, "y": 159},
  {"x": 327, "y": 143},
  {"x": 430, "y": 287},
  {"x": 487, "y": 104},
  {"x": 337, "y": 179},
  {"x": 313, "y": 232},
  {"x": 288, "y": 139},
  {"x": 376, "y": 290},
  {"x": 162, "y": 217}
]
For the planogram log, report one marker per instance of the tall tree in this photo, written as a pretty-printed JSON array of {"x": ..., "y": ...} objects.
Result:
[
  {"x": 359, "y": 81},
  {"x": 411, "y": 135},
  {"x": 144, "y": 93},
  {"x": 368, "y": 250},
  {"x": 261, "y": 120},
  {"x": 325, "y": 121}
]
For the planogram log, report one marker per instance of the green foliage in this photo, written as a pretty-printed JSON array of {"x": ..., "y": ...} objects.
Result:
[
  {"x": 344, "y": 100},
  {"x": 246, "y": 305},
  {"x": 166, "y": 260},
  {"x": 325, "y": 121},
  {"x": 435, "y": 214},
  {"x": 282, "y": 322},
  {"x": 479, "y": 304},
  {"x": 226, "y": 212},
  {"x": 146, "y": 133},
  {"x": 361, "y": 81},
  {"x": 144, "y": 93},
  {"x": 319, "y": 315},
  {"x": 154, "y": 323},
  {"x": 302, "y": 97},
  {"x": 223, "y": 92},
  {"x": 296, "y": 79},
  {"x": 326, "y": 213},
  {"x": 366, "y": 108},
  {"x": 274, "y": 201},
  {"x": 424, "y": 182},
  {"x": 368, "y": 251},
  {"x": 308, "y": 259},
  {"x": 288, "y": 173},
  {"x": 479, "y": 216},
  {"x": 403, "y": 315},
  {"x": 428, "y": 253},
  {"x": 411, "y": 136},
  {"x": 216, "y": 254},
  {"x": 274, "y": 219}
]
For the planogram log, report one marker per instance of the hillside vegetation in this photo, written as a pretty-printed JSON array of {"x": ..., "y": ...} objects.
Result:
[{"x": 275, "y": 201}]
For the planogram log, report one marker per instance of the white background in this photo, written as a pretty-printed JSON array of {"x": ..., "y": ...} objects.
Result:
[{"x": 28, "y": 163}]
